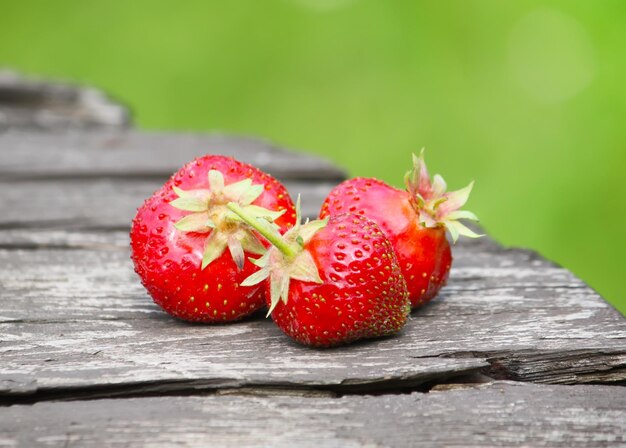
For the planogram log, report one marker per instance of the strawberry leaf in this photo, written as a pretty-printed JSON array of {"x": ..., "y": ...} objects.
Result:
[
  {"x": 243, "y": 192},
  {"x": 436, "y": 207},
  {"x": 456, "y": 228},
  {"x": 251, "y": 243},
  {"x": 462, "y": 214},
  {"x": 304, "y": 269},
  {"x": 264, "y": 213},
  {"x": 309, "y": 229},
  {"x": 278, "y": 281},
  {"x": 260, "y": 262},
  {"x": 256, "y": 278},
  {"x": 215, "y": 246},
  {"x": 196, "y": 222},
  {"x": 216, "y": 181},
  {"x": 190, "y": 204},
  {"x": 456, "y": 199},
  {"x": 200, "y": 193},
  {"x": 236, "y": 251}
]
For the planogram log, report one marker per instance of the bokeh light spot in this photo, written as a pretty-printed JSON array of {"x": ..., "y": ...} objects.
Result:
[{"x": 551, "y": 55}]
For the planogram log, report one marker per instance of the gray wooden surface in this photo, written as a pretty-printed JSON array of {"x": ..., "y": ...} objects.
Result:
[
  {"x": 496, "y": 414},
  {"x": 96, "y": 180},
  {"x": 77, "y": 326},
  {"x": 43, "y": 105}
]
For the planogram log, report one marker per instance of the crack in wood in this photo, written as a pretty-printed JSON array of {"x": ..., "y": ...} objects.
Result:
[
  {"x": 503, "y": 366},
  {"x": 229, "y": 387},
  {"x": 567, "y": 367},
  {"x": 500, "y": 413},
  {"x": 225, "y": 386}
]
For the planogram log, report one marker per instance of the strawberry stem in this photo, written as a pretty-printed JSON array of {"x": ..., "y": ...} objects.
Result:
[{"x": 266, "y": 230}]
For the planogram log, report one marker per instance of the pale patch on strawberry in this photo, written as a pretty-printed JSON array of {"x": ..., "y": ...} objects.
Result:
[
  {"x": 211, "y": 215},
  {"x": 434, "y": 205}
]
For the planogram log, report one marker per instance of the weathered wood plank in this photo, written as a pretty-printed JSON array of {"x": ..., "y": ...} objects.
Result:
[
  {"x": 497, "y": 414},
  {"x": 38, "y": 105},
  {"x": 82, "y": 181},
  {"x": 34, "y": 238},
  {"x": 103, "y": 203},
  {"x": 80, "y": 319},
  {"x": 131, "y": 155},
  {"x": 108, "y": 356}
]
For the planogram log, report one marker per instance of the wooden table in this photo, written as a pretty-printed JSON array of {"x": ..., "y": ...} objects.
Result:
[{"x": 515, "y": 351}]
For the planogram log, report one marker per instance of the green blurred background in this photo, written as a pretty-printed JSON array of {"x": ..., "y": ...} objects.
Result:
[{"x": 526, "y": 97}]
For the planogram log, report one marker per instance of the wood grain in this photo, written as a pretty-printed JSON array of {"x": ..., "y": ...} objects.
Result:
[
  {"x": 103, "y": 204},
  {"x": 96, "y": 180},
  {"x": 78, "y": 320},
  {"x": 497, "y": 414},
  {"x": 132, "y": 155},
  {"x": 43, "y": 105}
]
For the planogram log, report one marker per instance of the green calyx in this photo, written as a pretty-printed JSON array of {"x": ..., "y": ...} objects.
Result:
[
  {"x": 209, "y": 214},
  {"x": 287, "y": 258},
  {"x": 434, "y": 205}
]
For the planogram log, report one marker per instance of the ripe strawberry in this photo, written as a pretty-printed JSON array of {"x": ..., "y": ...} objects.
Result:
[
  {"x": 415, "y": 221},
  {"x": 330, "y": 282},
  {"x": 180, "y": 236}
]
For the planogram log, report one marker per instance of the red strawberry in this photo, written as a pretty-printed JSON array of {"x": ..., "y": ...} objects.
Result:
[
  {"x": 330, "y": 282},
  {"x": 190, "y": 250},
  {"x": 415, "y": 221}
]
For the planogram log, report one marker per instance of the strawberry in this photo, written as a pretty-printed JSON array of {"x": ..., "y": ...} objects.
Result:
[
  {"x": 330, "y": 282},
  {"x": 190, "y": 250},
  {"x": 415, "y": 221}
]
